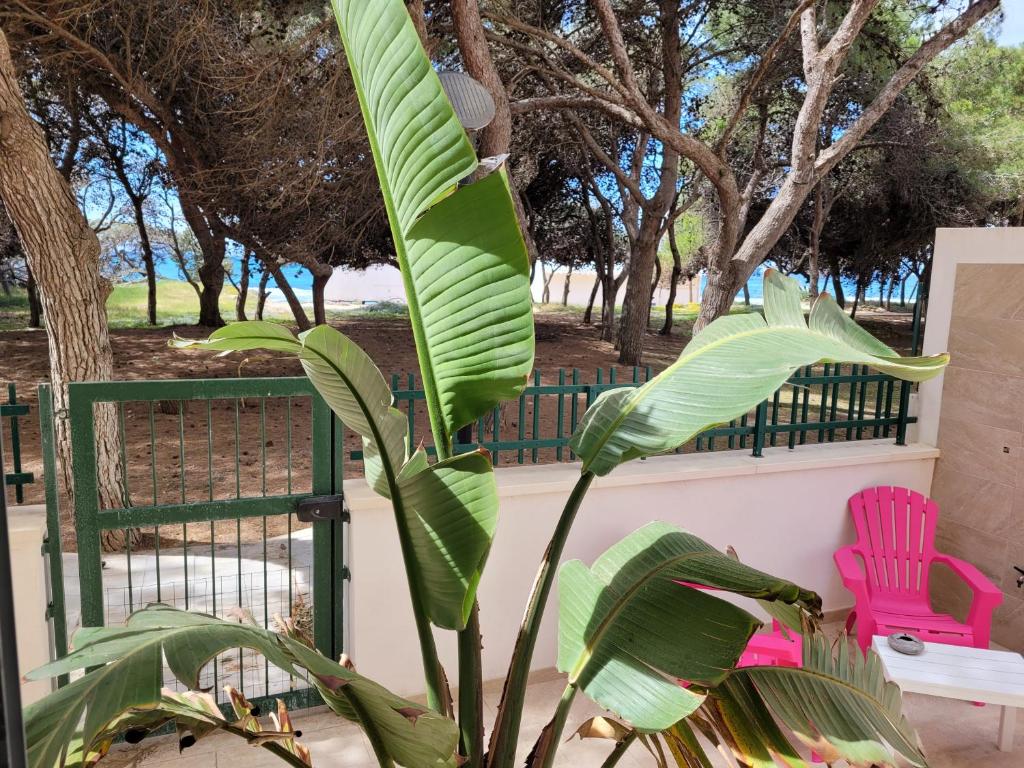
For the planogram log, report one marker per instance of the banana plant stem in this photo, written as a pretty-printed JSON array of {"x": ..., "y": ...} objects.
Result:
[
  {"x": 510, "y": 711},
  {"x": 558, "y": 724},
  {"x": 620, "y": 749},
  {"x": 471, "y": 702}
]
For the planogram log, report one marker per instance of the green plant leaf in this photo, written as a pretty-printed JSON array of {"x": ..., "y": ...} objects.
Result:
[
  {"x": 452, "y": 513},
  {"x": 748, "y": 728},
  {"x": 447, "y": 512},
  {"x": 628, "y": 630},
  {"x": 130, "y": 660},
  {"x": 462, "y": 256},
  {"x": 726, "y": 370},
  {"x": 841, "y": 706}
]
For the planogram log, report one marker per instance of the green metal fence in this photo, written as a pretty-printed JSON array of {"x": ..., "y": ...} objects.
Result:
[
  {"x": 824, "y": 403},
  {"x": 13, "y": 410},
  {"x": 216, "y": 469},
  {"x": 210, "y": 514}
]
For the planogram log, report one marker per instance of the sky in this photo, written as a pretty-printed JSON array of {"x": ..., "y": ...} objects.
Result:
[{"x": 1013, "y": 23}]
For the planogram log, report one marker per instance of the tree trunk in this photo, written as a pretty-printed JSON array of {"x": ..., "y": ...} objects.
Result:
[
  {"x": 720, "y": 291},
  {"x": 147, "y": 255},
  {"x": 673, "y": 282},
  {"x": 565, "y": 287},
  {"x": 837, "y": 279},
  {"x": 243, "y": 289},
  {"x": 588, "y": 314},
  {"x": 657, "y": 277},
  {"x": 63, "y": 253},
  {"x": 319, "y": 306},
  {"x": 903, "y": 293},
  {"x": 746, "y": 294},
  {"x": 35, "y": 306},
  {"x": 211, "y": 276},
  {"x": 636, "y": 306},
  {"x": 261, "y": 298},
  {"x": 609, "y": 294},
  {"x": 857, "y": 293},
  {"x": 496, "y": 138},
  {"x": 301, "y": 318}
]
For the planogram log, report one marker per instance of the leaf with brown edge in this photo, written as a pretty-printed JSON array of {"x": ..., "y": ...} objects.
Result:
[{"x": 602, "y": 728}]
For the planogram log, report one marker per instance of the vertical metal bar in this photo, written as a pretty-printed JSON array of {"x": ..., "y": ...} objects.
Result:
[
  {"x": 213, "y": 530},
  {"x": 775, "y": 415},
  {"x": 322, "y": 555},
  {"x": 288, "y": 450},
  {"x": 520, "y": 454},
  {"x": 835, "y": 400},
  {"x": 53, "y": 542},
  {"x": 888, "y": 405},
  {"x": 904, "y": 413},
  {"x": 794, "y": 402},
  {"x": 760, "y": 418},
  {"x": 860, "y": 402},
  {"x": 806, "y": 406},
  {"x": 877, "y": 431},
  {"x": 852, "y": 405},
  {"x": 536, "y": 414},
  {"x": 560, "y": 429},
  {"x": 824, "y": 404},
  {"x": 339, "y": 570},
  {"x": 87, "y": 530},
  {"x": 19, "y": 489},
  {"x": 184, "y": 526},
  {"x": 574, "y": 408}
]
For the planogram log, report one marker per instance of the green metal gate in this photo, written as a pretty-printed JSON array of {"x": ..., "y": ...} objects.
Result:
[{"x": 231, "y": 505}]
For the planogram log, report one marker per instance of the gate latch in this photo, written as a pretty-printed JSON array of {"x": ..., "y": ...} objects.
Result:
[{"x": 317, "y": 508}]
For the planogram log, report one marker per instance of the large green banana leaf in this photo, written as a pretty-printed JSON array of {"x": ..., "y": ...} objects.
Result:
[
  {"x": 841, "y": 705},
  {"x": 130, "y": 660},
  {"x": 628, "y": 630},
  {"x": 726, "y": 370},
  {"x": 447, "y": 512},
  {"x": 462, "y": 256}
]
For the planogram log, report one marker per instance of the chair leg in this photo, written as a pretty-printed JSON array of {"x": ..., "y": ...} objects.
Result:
[{"x": 851, "y": 620}]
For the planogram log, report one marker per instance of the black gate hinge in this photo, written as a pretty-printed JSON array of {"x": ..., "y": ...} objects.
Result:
[{"x": 318, "y": 508}]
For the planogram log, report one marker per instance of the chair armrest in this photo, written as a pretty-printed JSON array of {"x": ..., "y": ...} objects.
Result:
[
  {"x": 850, "y": 564},
  {"x": 979, "y": 583}
]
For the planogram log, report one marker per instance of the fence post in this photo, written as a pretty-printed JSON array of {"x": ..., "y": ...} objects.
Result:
[
  {"x": 760, "y": 419},
  {"x": 903, "y": 416}
]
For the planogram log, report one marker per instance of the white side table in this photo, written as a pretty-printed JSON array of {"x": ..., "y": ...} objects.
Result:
[{"x": 957, "y": 672}]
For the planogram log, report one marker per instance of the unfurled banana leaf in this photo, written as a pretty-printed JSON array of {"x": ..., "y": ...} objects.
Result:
[
  {"x": 447, "y": 512},
  {"x": 840, "y": 705},
  {"x": 628, "y": 630},
  {"x": 462, "y": 256},
  {"x": 130, "y": 660},
  {"x": 729, "y": 368}
]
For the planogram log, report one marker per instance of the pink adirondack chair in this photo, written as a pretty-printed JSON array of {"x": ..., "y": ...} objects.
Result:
[{"x": 887, "y": 571}]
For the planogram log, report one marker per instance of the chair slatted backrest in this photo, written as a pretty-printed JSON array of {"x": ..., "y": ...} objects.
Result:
[{"x": 896, "y": 536}]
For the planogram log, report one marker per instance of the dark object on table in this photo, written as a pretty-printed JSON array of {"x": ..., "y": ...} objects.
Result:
[{"x": 901, "y": 642}]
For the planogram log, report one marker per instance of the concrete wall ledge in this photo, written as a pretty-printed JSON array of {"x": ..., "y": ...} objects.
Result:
[
  {"x": 785, "y": 513},
  {"x": 527, "y": 480}
]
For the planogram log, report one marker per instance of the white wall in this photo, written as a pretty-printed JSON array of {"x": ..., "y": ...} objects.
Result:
[
  {"x": 975, "y": 245},
  {"x": 785, "y": 513},
  {"x": 27, "y": 529},
  {"x": 381, "y": 282}
]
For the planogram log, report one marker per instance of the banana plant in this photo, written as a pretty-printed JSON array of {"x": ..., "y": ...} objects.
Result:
[{"x": 632, "y": 624}]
